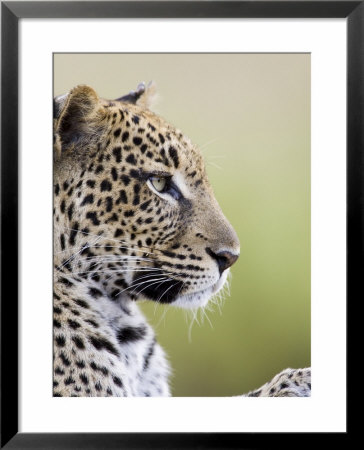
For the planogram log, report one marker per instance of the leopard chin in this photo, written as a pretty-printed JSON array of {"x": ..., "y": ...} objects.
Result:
[{"x": 200, "y": 299}]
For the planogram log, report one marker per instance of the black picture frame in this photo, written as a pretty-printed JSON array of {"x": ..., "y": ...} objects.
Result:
[{"x": 11, "y": 12}]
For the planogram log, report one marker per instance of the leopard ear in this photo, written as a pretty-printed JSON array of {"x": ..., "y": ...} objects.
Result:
[
  {"x": 143, "y": 96},
  {"x": 73, "y": 115}
]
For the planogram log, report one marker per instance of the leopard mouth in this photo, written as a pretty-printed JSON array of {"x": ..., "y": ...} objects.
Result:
[{"x": 154, "y": 285}]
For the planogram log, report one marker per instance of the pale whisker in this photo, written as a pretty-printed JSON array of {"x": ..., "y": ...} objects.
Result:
[
  {"x": 210, "y": 163},
  {"x": 72, "y": 257},
  {"x": 151, "y": 284},
  {"x": 132, "y": 286},
  {"x": 114, "y": 270},
  {"x": 119, "y": 241},
  {"x": 165, "y": 292},
  {"x": 206, "y": 144}
]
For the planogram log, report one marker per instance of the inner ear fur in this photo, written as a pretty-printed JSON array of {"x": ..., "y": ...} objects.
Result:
[
  {"x": 75, "y": 117},
  {"x": 149, "y": 97},
  {"x": 143, "y": 96}
]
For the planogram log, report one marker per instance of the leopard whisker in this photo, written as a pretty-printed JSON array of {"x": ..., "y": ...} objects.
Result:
[
  {"x": 112, "y": 270},
  {"x": 121, "y": 241},
  {"x": 153, "y": 275},
  {"x": 109, "y": 239},
  {"x": 206, "y": 144},
  {"x": 163, "y": 316},
  {"x": 106, "y": 238},
  {"x": 166, "y": 309},
  {"x": 210, "y": 163},
  {"x": 194, "y": 319},
  {"x": 116, "y": 258},
  {"x": 160, "y": 298},
  {"x": 203, "y": 315},
  {"x": 72, "y": 257},
  {"x": 151, "y": 284},
  {"x": 136, "y": 285}
]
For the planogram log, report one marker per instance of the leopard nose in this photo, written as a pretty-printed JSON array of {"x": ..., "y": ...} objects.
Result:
[{"x": 224, "y": 259}]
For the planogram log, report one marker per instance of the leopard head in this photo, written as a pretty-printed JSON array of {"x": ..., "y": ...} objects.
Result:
[{"x": 134, "y": 210}]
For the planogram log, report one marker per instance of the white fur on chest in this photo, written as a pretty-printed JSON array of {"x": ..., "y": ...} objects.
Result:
[{"x": 142, "y": 364}]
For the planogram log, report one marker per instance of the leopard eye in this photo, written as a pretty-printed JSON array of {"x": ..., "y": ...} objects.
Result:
[
  {"x": 163, "y": 184},
  {"x": 159, "y": 183}
]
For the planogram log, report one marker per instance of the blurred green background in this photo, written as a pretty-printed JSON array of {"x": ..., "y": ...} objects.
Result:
[{"x": 250, "y": 115}]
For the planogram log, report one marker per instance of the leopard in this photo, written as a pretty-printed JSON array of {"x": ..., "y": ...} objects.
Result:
[{"x": 135, "y": 219}]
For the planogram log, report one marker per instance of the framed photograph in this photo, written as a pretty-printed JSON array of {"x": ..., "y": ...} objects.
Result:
[{"x": 215, "y": 171}]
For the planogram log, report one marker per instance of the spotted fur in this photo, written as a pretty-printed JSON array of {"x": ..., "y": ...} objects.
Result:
[
  {"x": 288, "y": 383},
  {"x": 117, "y": 239}
]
